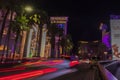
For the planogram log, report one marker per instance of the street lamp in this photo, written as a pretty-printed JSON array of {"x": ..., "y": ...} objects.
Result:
[{"x": 28, "y": 9}]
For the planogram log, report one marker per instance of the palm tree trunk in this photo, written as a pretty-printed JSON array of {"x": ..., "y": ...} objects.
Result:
[
  {"x": 7, "y": 39},
  {"x": 15, "y": 44},
  {"x": 9, "y": 33},
  {"x": 23, "y": 44},
  {"x": 63, "y": 45},
  {"x": 53, "y": 46},
  {"x": 3, "y": 24},
  {"x": 39, "y": 42},
  {"x": 1, "y": 32},
  {"x": 59, "y": 47}
]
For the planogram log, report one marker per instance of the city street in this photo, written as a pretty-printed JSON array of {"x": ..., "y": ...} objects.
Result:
[
  {"x": 82, "y": 71},
  {"x": 51, "y": 70},
  {"x": 41, "y": 70},
  {"x": 59, "y": 40},
  {"x": 31, "y": 69},
  {"x": 59, "y": 69}
]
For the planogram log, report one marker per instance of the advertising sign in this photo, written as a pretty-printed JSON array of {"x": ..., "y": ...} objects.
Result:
[{"x": 115, "y": 36}]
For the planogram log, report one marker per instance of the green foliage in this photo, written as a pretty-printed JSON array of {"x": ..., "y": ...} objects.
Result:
[
  {"x": 67, "y": 43},
  {"x": 22, "y": 22},
  {"x": 35, "y": 18}
]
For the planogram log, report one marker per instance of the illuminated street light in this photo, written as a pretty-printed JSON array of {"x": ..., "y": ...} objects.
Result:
[{"x": 28, "y": 9}]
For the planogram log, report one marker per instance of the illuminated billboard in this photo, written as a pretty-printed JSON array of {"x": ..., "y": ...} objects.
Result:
[
  {"x": 61, "y": 22},
  {"x": 115, "y": 35}
]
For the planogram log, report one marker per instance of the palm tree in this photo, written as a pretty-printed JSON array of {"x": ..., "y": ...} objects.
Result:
[
  {"x": 8, "y": 36},
  {"x": 43, "y": 20},
  {"x": 20, "y": 25},
  {"x": 67, "y": 44},
  {"x": 52, "y": 31},
  {"x": 24, "y": 22},
  {"x": 64, "y": 41},
  {"x": 9, "y": 7},
  {"x": 59, "y": 35},
  {"x": 3, "y": 7},
  {"x": 16, "y": 30},
  {"x": 40, "y": 18}
]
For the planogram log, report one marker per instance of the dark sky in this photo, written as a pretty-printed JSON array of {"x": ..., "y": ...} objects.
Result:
[{"x": 84, "y": 15}]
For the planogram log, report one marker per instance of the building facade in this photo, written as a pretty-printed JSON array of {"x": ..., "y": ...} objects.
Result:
[
  {"x": 115, "y": 35},
  {"x": 61, "y": 22},
  {"x": 27, "y": 45}
]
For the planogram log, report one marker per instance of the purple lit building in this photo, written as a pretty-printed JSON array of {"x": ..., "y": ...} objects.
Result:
[
  {"x": 105, "y": 35},
  {"x": 106, "y": 40}
]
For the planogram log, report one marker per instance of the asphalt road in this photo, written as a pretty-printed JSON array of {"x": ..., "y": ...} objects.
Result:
[
  {"x": 82, "y": 71},
  {"x": 85, "y": 72}
]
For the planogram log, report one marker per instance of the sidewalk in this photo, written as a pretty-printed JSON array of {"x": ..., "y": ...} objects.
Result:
[{"x": 10, "y": 63}]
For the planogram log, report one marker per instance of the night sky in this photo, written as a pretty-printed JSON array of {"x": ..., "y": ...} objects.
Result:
[{"x": 84, "y": 16}]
